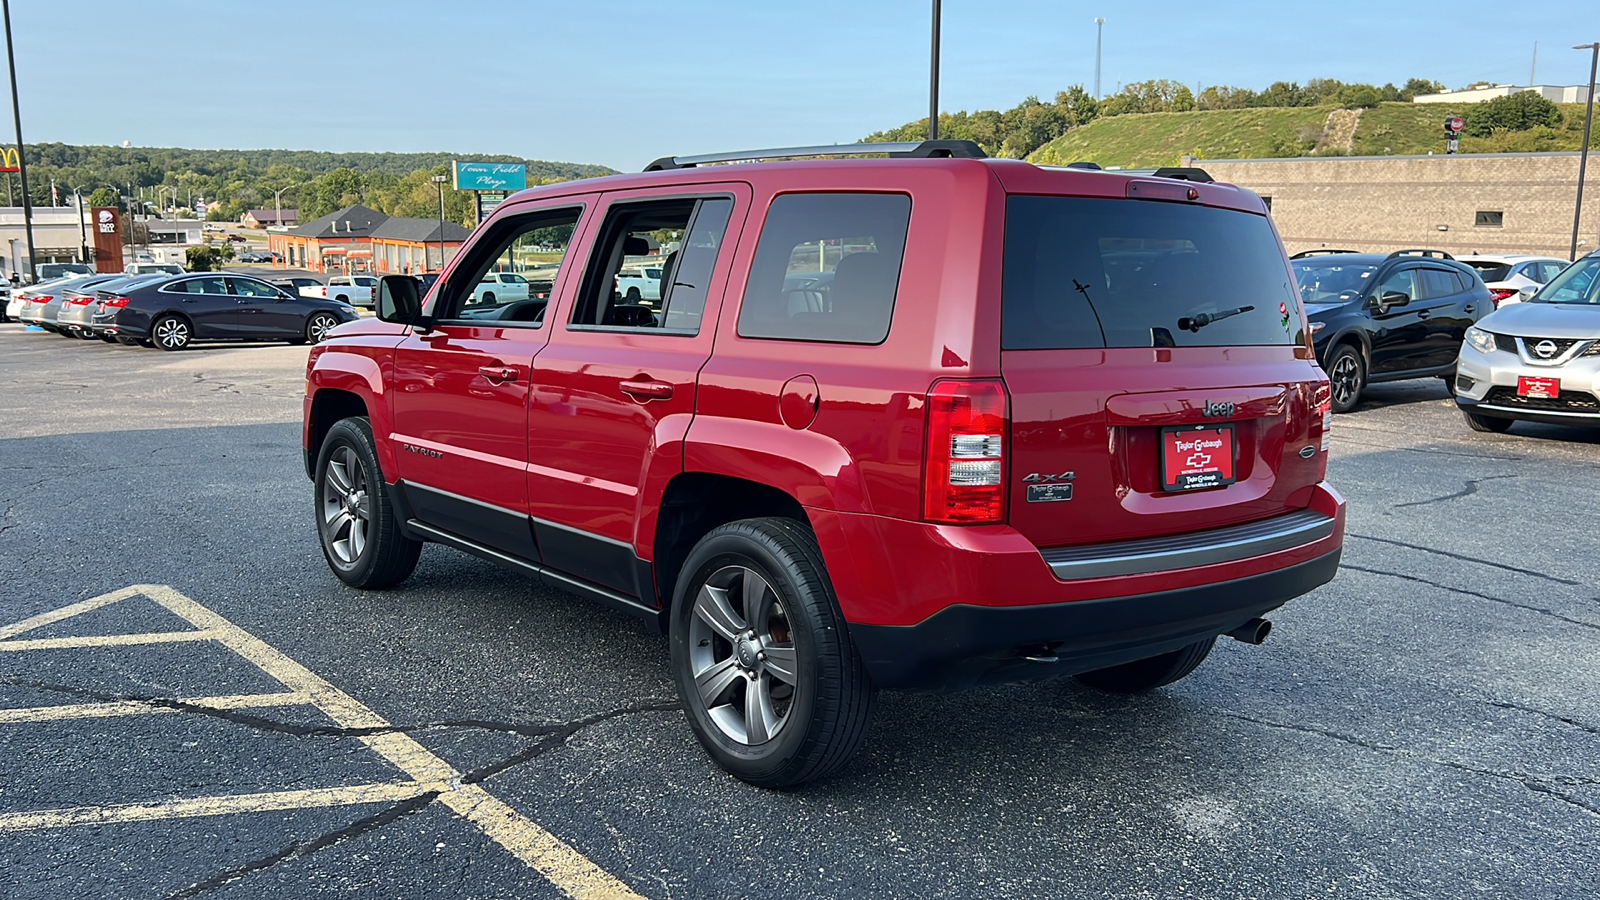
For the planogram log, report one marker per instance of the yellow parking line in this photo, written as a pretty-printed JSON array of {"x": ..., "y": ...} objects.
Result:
[
  {"x": 196, "y": 807},
  {"x": 141, "y": 707},
  {"x": 108, "y": 640},
  {"x": 565, "y": 868},
  {"x": 67, "y": 612}
]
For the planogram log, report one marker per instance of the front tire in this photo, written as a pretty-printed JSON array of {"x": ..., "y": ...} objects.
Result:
[
  {"x": 1486, "y": 424},
  {"x": 1347, "y": 374},
  {"x": 171, "y": 333},
  {"x": 1148, "y": 674},
  {"x": 318, "y": 326},
  {"x": 358, "y": 529},
  {"x": 762, "y": 657}
]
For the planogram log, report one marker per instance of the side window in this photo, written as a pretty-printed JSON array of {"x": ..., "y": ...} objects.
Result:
[
  {"x": 1404, "y": 281},
  {"x": 827, "y": 268},
  {"x": 1548, "y": 271},
  {"x": 1437, "y": 283},
  {"x": 209, "y": 285},
  {"x": 652, "y": 264},
  {"x": 244, "y": 287},
  {"x": 520, "y": 244}
]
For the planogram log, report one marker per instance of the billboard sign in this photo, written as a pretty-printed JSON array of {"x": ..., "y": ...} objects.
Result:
[{"x": 484, "y": 176}]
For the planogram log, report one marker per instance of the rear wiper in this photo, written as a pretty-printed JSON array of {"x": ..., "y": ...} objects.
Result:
[{"x": 1195, "y": 323}]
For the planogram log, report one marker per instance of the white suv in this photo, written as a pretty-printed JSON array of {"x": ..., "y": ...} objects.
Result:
[{"x": 1512, "y": 279}]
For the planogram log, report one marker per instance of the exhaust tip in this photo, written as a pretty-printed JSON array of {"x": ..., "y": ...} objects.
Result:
[{"x": 1254, "y": 631}]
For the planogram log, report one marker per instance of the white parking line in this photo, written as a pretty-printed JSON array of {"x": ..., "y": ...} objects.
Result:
[{"x": 565, "y": 867}]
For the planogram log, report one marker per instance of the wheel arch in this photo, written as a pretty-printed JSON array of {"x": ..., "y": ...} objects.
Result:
[
  {"x": 341, "y": 385},
  {"x": 695, "y": 503}
]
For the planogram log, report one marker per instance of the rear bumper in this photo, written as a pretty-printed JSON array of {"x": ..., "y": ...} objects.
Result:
[{"x": 967, "y": 645}]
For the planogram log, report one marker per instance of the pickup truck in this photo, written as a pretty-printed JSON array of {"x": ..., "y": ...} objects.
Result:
[
  {"x": 640, "y": 285},
  {"x": 356, "y": 290}
]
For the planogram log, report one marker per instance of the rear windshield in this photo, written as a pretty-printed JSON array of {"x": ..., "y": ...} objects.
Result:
[
  {"x": 1085, "y": 272},
  {"x": 1490, "y": 271}
]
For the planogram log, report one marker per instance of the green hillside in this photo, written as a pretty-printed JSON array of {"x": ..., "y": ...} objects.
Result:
[{"x": 1159, "y": 139}]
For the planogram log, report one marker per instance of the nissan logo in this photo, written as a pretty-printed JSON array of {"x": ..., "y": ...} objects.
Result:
[{"x": 1545, "y": 349}]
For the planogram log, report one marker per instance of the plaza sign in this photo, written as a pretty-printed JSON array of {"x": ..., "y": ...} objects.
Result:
[{"x": 480, "y": 176}]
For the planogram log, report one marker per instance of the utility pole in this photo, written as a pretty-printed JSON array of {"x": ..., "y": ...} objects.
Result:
[
  {"x": 933, "y": 80},
  {"x": 1533, "y": 73},
  {"x": 83, "y": 233},
  {"x": 1099, "y": 35},
  {"x": 22, "y": 162},
  {"x": 439, "y": 180},
  {"x": 1583, "y": 158}
]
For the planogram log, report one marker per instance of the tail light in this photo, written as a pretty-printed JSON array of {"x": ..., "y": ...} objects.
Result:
[
  {"x": 1323, "y": 397},
  {"x": 79, "y": 300},
  {"x": 116, "y": 302},
  {"x": 964, "y": 466},
  {"x": 1499, "y": 294}
]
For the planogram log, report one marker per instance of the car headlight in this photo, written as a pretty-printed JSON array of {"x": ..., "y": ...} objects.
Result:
[
  {"x": 349, "y": 309},
  {"x": 1480, "y": 340},
  {"x": 1318, "y": 326}
]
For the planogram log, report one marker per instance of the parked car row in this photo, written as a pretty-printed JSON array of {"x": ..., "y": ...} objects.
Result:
[
  {"x": 172, "y": 311},
  {"x": 1513, "y": 337}
]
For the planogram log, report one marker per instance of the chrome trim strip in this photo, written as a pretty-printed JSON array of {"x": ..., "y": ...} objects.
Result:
[
  {"x": 1524, "y": 410},
  {"x": 1145, "y": 555}
]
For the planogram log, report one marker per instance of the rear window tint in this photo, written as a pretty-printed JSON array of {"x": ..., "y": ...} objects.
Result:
[
  {"x": 1086, "y": 272},
  {"x": 826, "y": 268},
  {"x": 1438, "y": 283}
]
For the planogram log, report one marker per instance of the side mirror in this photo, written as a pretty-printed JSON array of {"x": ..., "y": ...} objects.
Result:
[
  {"x": 1394, "y": 298},
  {"x": 399, "y": 299}
]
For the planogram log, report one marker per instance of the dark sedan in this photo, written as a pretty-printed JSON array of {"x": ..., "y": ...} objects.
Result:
[{"x": 173, "y": 312}]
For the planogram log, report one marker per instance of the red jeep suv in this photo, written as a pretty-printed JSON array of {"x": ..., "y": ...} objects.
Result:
[{"x": 925, "y": 421}]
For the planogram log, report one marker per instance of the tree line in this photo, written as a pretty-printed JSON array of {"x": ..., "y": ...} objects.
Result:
[
  {"x": 1031, "y": 124},
  {"x": 314, "y": 182}
]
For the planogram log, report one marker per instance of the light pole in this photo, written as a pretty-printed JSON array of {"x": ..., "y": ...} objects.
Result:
[
  {"x": 440, "y": 180},
  {"x": 1583, "y": 158},
  {"x": 22, "y": 162},
  {"x": 1099, "y": 35},
  {"x": 933, "y": 80},
  {"x": 83, "y": 232}
]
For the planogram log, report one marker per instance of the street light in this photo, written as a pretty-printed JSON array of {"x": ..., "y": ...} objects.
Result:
[
  {"x": 1099, "y": 34},
  {"x": 22, "y": 161},
  {"x": 440, "y": 180},
  {"x": 1583, "y": 158}
]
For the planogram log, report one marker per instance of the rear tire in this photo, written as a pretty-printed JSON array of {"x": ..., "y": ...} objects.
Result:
[
  {"x": 762, "y": 657},
  {"x": 1347, "y": 373},
  {"x": 1148, "y": 674},
  {"x": 1486, "y": 424},
  {"x": 357, "y": 528},
  {"x": 318, "y": 326},
  {"x": 171, "y": 332}
]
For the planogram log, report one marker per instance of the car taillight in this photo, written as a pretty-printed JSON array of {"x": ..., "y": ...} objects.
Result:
[
  {"x": 77, "y": 301},
  {"x": 1323, "y": 397},
  {"x": 117, "y": 302},
  {"x": 964, "y": 466},
  {"x": 1499, "y": 294}
]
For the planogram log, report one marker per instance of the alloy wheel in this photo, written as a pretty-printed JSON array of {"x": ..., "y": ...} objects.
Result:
[
  {"x": 1344, "y": 376},
  {"x": 320, "y": 326},
  {"x": 172, "y": 333},
  {"x": 742, "y": 655},
  {"x": 346, "y": 508}
]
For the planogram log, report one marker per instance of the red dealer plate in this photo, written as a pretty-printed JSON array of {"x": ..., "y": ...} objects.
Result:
[
  {"x": 1196, "y": 457},
  {"x": 1538, "y": 388}
]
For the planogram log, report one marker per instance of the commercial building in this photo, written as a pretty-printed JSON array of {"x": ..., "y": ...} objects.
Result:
[
  {"x": 1556, "y": 93},
  {"x": 270, "y": 218},
  {"x": 1462, "y": 203},
  {"x": 360, "y": 239},
  {"x": 60, "y": 234}
]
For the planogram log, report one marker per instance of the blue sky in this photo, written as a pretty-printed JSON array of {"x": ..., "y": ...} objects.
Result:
[{"x": 621, "y": 83}]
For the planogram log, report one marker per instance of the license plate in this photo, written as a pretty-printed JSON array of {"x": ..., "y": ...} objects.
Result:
[
  {"x": 1196, "y": 456},
  {"x": 1538, "y": 388}
]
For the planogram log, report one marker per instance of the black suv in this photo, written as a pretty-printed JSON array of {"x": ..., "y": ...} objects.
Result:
[{"x": 1384, "y": 318}]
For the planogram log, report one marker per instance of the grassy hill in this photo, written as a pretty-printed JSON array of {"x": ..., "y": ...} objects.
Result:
[{"x": 1159, "y": 139}]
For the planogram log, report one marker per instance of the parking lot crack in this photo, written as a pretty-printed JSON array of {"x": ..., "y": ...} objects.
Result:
[
  {"x": 1481, "y": 596},
  {"x": 299, "y": 849},
  {"x": 557, "y": 735},
  {"x": 1581, "y": 726},
  {"x": 1471, "y": 487},
  {"x": 1464, "y": 558},
  {"x": 1545, "y": 785}
]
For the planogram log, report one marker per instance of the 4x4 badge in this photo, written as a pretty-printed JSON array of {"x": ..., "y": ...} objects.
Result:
[{"x": 1041, "y": 478}]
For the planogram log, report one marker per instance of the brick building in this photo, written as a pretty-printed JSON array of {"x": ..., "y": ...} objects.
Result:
[
  {"x": 1463, "y": 203},
  {"x": 360, "y": 239}
]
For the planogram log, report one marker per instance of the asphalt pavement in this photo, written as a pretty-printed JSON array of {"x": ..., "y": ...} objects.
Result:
[{"x": 192, "y": 705}]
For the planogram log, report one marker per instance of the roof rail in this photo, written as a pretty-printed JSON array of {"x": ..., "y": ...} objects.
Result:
[
  {"x": 1436, "y": 254},
  {"x": 897, "y": 149},
  {"x": 1305, "y": 253},
  {"x": 1085, "y": 164}
]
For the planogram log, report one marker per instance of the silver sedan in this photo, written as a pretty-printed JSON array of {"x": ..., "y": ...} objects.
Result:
[{"x": 1537, "y": 361}]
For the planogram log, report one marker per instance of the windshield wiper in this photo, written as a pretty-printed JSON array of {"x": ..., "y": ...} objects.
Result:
[{"x": 1195, "y": 323}]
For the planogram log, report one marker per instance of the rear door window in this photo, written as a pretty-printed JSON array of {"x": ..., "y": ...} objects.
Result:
[
  {"x": 1089, "y": 272},
  {"x": 1438, "y": 283},
  {"x": 827, "y": 268}
]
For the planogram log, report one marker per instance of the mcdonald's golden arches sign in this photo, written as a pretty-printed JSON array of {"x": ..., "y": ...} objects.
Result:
[{"x": 9, "y": 161}]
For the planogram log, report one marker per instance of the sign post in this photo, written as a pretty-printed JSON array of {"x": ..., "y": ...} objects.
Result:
[
  {"x": 497, "y": 179},
  {"x": 1452, "y": 133}
]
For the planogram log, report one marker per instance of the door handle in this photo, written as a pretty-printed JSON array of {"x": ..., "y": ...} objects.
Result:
[
  {"x": 498, "y": 373},
  {"x": 1469, "y": 309},
  {"x": 647, "y": 390},
  {"x": 1422, "y": 314}
]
